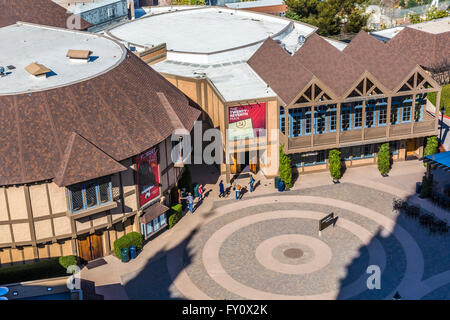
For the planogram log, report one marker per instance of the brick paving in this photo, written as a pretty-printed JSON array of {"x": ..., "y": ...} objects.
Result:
[{"x": 180, "y": 263}]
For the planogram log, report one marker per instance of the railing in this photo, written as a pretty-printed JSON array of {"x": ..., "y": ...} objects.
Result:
[{"x": 370, "y": 134}]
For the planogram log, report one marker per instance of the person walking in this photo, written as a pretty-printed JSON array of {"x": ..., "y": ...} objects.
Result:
[
  {"x": 252, "y": 182},
  {"x": 221, "y": 189},
  {"x": 200, "y": 192},
  {"x": 190, "y": 201},
  {"x": 238, "y": 192}
]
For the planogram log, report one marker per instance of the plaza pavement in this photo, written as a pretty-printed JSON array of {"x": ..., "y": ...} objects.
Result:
[{"x": 197, "y": 259}]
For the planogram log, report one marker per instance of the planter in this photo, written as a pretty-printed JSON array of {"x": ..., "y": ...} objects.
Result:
[
  {"x": 336, "y": 181},
  {"x": 385, "y": 175}
]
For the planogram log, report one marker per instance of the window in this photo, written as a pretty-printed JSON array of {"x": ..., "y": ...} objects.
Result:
[
  {"x": 313, "y": 158},
  {"x": 346, "y": 118},
  {"x": 307, "y": 121},
  {"x": 382, "y": 113},
  {"x": 406, "y": 110},
  {"x": 370, "y": 114},
  {"x": 320, "y": 119},
  {"x": 296, "y": 159},
  {"x": 357, "y": 152},
  {"x": 368, "y": 151},
  {"x": 89, "y": 194},
  {"x": 333, "y": 119},
  {"x": 395, "y": 108},
  {"x": 345, "y": 153},
  {"x": 155, "y": 225},
  {"x": 282, "y": 122},
  {"x": 419, "y": 107},
  {"x": 393, "y": 147},
  {"x": 295, "y": 122},
  {"x": 358, "y": 117}
]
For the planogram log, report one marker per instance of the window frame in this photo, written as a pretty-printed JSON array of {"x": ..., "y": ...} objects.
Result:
[
  {"x": 379, "y": 107},
  {"x": 330, "y": 115},
  {"x": 318, "y": 112},
  {"x": 357, "y": 107},
  {"x": 395, "y": 106},
  {"x": 282, "y": 120},
  {"x": 349, "y": 110},
  {"x": 83, "y": 194},
  {"x": 307, "y": 117},
  {"x": 297, "y": 112},
  {"x": 371, "y": 108},
  {"x": 403, "y": 110}
]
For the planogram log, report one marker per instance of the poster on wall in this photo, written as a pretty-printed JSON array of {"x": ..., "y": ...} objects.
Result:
[
  {"x": 247, "y": 121},
  {"x": 147, "y": 175}
]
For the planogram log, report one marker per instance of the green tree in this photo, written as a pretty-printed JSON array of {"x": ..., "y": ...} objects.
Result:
[
  {"x": 415, "y": 18},
  {"x": 334, "y": 163},
  {"x": 434, "y": 13},
  {"x": 284, "y": 169},
  {"x": 412, "y": 3},
  {"x": 384, "y": 159},
  {"x": 431, "y": 147},
  {"x": 330, "y": 16}
]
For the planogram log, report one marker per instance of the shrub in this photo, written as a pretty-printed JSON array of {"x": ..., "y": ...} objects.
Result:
[
  {"x": 426, "y": 187},
  {"x": 284, "y": 169},
  {"x": 175, "y": 215},
  {"x": 383, "y": 159},
  {"x": 130, "y": 239},
  {"x": 67, "y": 261},
  {"x": 45, "y": 269},
  {"x": 431, "y": 147},
  {"x": 334, "y": 159}
]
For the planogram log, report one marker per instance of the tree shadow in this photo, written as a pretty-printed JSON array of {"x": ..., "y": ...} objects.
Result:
[{"x": 355, "y": 284}]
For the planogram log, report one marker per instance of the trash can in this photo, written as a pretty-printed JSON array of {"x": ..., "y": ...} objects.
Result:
[
  {"x": 125, "y": 254},
  {"x": 276, "y": 182},
  {"x": 132, "y": 252},
  {"x": 418, "y": 185},
  {"x": 281, "y": 186}
]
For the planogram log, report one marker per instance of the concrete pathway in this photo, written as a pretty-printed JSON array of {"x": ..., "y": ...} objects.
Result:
[{"x": 113, "y": 278}]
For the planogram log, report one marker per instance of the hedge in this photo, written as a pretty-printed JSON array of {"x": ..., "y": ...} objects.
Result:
[
  {"x": 174, "y": 215},
  {"x": 128, "y": 240},
  {"x": 51, "y": 268}
]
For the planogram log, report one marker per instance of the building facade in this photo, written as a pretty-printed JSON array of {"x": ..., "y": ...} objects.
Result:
[{"x": 86, "y": 153}]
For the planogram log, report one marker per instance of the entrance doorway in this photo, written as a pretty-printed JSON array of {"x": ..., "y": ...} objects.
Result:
[
  {"x": 90, "y": 247},
  {"x": 243, "y": 159},
  {"x": 410, "y": 148}
]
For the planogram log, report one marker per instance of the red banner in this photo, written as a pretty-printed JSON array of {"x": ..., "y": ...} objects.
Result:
[
  {"x": 148, "y": 175},
  {"x": 247, "y": 121}
]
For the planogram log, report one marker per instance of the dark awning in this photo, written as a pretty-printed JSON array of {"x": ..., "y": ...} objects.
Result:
[{"x": 155, "y": 210}]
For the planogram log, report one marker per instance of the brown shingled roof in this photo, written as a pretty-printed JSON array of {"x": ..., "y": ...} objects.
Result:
[
  {"x": 331, "y": 66},
  {"x": 285, "y": 75},
  {"x": 84, "y": 161},
  {"x": 44, "y": 12},
  {"x": 426, "y": 49},
  {"x": 119, "y": 112},
  {"x": 387, "y": 65}
]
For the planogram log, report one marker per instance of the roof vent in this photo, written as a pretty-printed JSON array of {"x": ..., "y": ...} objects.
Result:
[
  {"x": 301, "y": 40},
  {"x": 79, "y": 56},
  {"x": 37, "y": 70},
  {"x": 2, "y": 72}
]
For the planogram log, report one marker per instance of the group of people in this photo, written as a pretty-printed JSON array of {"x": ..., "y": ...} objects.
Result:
[
  {"x": 198, "y": 193},
  {"x": 237, "y": 188}
]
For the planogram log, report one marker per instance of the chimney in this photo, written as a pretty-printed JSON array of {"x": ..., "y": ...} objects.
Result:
[{"x": 78, "y": 56}]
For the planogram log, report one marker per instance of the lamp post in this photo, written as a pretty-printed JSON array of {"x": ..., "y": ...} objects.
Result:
[{"x": 442, "y": 123}]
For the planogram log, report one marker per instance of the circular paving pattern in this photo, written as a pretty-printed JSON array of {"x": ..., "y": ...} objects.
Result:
[
  {"x": 293, "y": 253},
  {"x": 269, "y": 248}
]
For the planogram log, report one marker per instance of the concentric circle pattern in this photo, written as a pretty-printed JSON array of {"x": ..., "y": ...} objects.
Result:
[{"x": 270, "y": 248}]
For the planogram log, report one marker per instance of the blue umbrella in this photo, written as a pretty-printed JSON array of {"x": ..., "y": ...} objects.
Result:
[{"x": 3, "y": 291}]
